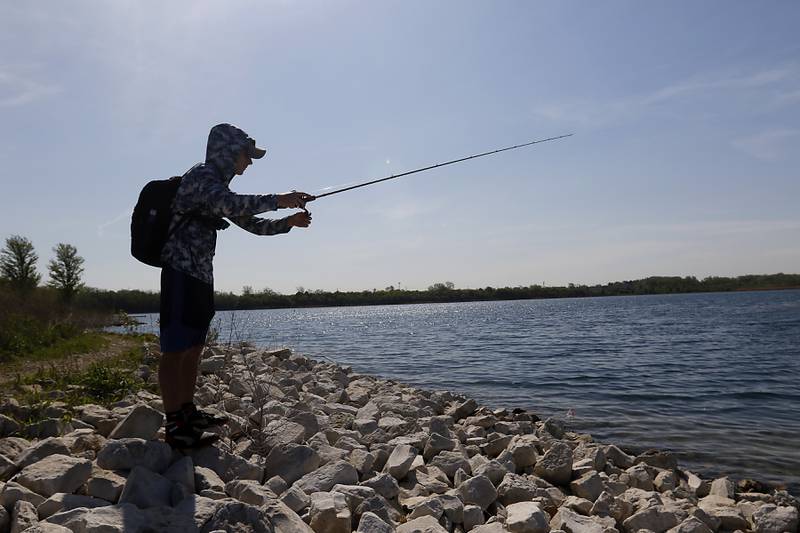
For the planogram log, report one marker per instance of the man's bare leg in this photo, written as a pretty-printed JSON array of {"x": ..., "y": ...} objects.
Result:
[
  {"x": 188, "y": 370},
  {"x": 169, "y": 379}
]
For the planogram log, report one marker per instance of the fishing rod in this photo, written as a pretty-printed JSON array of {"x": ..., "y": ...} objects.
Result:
[{"x": 393, "y": 176}]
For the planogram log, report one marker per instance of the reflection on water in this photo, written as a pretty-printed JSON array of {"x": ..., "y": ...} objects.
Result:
[{"x": 712, "y": 377}]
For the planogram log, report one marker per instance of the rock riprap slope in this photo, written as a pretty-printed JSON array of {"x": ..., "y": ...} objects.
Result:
[{"x": 312, "y": 446}]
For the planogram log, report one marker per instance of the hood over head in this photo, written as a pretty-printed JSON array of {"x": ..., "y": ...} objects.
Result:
[{"x": 225, "y": 141}]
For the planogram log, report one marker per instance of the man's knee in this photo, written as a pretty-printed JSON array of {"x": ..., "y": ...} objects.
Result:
[{"x": 188, "y": 353}]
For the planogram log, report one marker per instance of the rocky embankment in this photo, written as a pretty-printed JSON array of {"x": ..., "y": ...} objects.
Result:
[{"x": 312, "y": 446}]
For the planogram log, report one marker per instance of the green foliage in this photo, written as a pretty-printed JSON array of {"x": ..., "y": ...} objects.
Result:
[
  {"x": 38, "y": 319},
  {"x": 106, "y": 383},
  {"x": 103, "y": 382},
  {"x": 66, "y": 270},
  {"x": 18, "y": 263}
]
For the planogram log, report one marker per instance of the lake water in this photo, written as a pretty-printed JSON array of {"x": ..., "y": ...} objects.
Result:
[{"x": 712, "y": 377}]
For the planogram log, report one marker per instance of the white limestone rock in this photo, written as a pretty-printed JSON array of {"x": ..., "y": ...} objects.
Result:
[
  {"x": 556, "y": 464},
  {"x": 13, "y": 492},
  {"x": 65, "y": 502},
  {"x": 239, "y": 517},
  {"x": 384, "y": 484},
  {"x": 424, "y": 524},
  {"x": 40, "y": 450},
  {"x": 295, "y": 499},
  {"x": 143, "y": 422},
  {"x": 372, "y": 523},
  {"x": 658, "y": 519},
  {"x": 691, "y": 524},
  {"x": 527, "y": 517},
  {"x": 291, "y": 462},
  {"x": 125, "y": 454},
  {"x": 722, "y": 487},
  {"x": 399, "y": 462},
  {"x": 146, "y": 489},
  {"x": 588, "y": 486},
  {"x": 324, "y": 478},
  {"x": 771, "y": 518},
  {"x": 207, "y": 483},
  {"x": 55, "y": 473},
  {"x": 572, "y": 522},
  {"x": 23, "y": 516},
  {"x": 473, "y": 516},
  {"x": 329, "y": 513},
  {"x": 105, "y": 484},
  {"x": 227, "y": 465},
  {"x": 477, "y": 490}
]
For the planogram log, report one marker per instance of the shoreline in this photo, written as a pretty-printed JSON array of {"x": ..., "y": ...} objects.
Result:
[{"x": 312, "y": 442}]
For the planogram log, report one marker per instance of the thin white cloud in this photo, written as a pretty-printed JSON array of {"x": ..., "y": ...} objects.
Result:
[
  {"x": 17, "y": 90},
  {"x": 124, "y": 215},
  {"x": 770, "y": 145},
  {"x": 592, "y": 113}
]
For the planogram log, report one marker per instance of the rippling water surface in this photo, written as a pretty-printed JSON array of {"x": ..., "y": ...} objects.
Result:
[{"x": 713, "y": 377}]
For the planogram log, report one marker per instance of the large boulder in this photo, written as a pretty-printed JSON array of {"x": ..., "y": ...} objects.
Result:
[
  {"x": 691, "y": 525},
  {"x": 23, "y": 516},
  {"x": 572, "y": 522},
  {"x": 450, "y": 462},
  {"x": 556, "y": 464},
  {"x": 323, "y": 479},
  {"x": 519, "y": 488},
  {"x": 125, "y": 454},
  {"x": 527, "y": 517},
  {"x": 227, "y": 465},
  {"x": 56, "y": 473},
  {"x": 12, "y": 492},
  {"x": 109, "y": 519},
  {"x": 658, "y": 519},
  {"x": 399, "y": 462},
  {"x": 330, "y": 513},
  {"x": 372, "y": 523},
  {"x": 588, "y": 486},
  {"x": 143, "y": 422},
  {"x": 384, "y": 484},
  {"x": 105, "y": 484},
  {"x": 725, "y": 510},
  {"x": 423, "y": 524},
  {"x": 145, "y": 489},
  {"x": 40, "y": 450},
  {"x": 65, "y": 502},
  {"x": 477, "y": 490},
  {"x": 291, "y": 462},
  {"x": 770, "y": 518},
  {"x": 238, "y": 517}
]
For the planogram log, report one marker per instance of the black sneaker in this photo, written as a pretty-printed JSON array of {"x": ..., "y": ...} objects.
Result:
[
  {"x": 200, "y": 419},
  {"x": 181, "y": 435}
]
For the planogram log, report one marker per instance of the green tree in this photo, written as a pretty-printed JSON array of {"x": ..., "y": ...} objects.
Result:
[
  {"x": 66, "y": 270},
  {"x": 247, "y": 290},
  {"x": 18, "y": 263}
]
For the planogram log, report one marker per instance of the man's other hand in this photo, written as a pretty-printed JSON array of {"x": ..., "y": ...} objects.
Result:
[
  {"x": 294, "y": 200},
  {"x": 300, "y": 220}
]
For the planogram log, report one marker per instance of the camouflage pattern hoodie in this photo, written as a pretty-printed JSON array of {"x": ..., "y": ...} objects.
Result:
[{"x": 203, "y": 198}]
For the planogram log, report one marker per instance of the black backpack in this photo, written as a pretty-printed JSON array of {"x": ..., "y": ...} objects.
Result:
[{"x": 151, "y": 218}]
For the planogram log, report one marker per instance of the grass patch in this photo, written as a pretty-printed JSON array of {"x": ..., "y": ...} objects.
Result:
[
  {"x": 88, "y": 341},
  {"x": 100, "y": 381}
]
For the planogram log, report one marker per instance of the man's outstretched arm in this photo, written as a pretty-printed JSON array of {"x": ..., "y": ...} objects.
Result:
[{"x": 266, "y": 226}]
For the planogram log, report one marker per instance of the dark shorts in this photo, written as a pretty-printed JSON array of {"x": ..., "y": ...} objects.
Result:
[{"x": 187, "y": 307}]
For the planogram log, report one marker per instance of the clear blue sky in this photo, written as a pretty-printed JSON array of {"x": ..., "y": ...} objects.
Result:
[{"x": 684, "y": 161}]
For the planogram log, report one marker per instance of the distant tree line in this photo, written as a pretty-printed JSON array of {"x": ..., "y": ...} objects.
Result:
[
  {"x": 135, "y": 301},
  {"x": 18, "y": 275}
]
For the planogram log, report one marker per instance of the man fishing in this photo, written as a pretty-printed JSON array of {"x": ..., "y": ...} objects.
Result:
[{"x": 187, "y": 282}]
